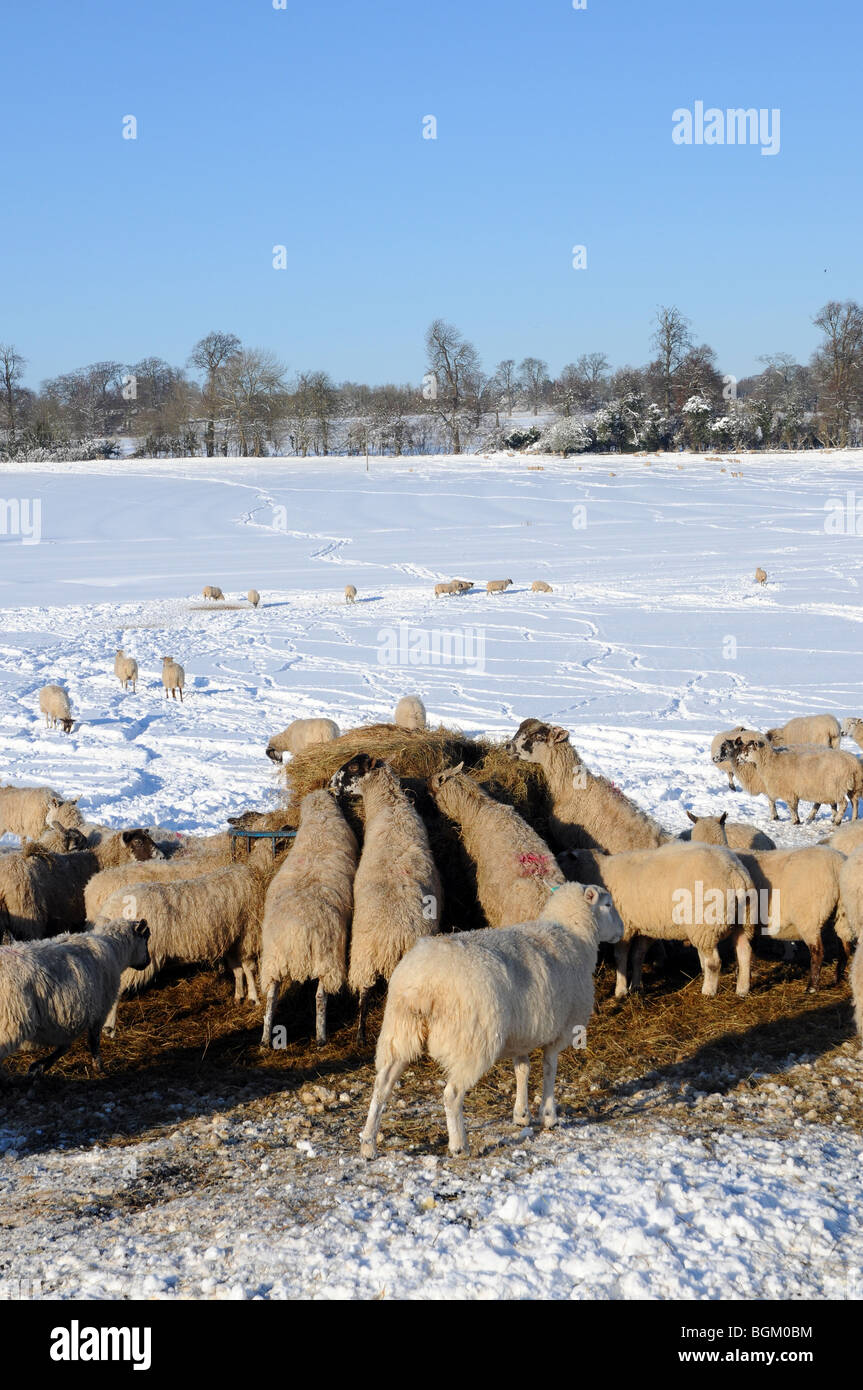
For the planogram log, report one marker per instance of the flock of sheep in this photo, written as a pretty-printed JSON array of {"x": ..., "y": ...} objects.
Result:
[{"x": 129, "y": 903}]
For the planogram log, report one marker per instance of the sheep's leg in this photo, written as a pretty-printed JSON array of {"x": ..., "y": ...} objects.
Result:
[
  {"x": 272, "y": 1001},
  {"x": 639, "y": 951},
  {"x": 384, "y": 1082},
  {"x": 743, "y": 948},
  {"x": 839, "y": 812},
  {"x": 548, "y": 1113},
  {"x": 621, "y": 959},
  {"x": 181, "y": 694},
  {"x": 320, "y": 1015},
  {"x": 37, "y": 1068},
  {"x": 816, "y": 960},
  {"x": 773, "y": 814},
  {"x": 109, "y": 1027},
  {"x": 251, "y": 982},
  {"x": 94, "y": 1039},
  {"x": 521, "y": 1112},
  {"x": 793, "y": 805},
  {"x": 453, "y": 1100},
  {"x": 711, "y": 965},
  {"x": 841, "y": 960},
  {"x": 361, "y": 1017},
  {"x": 814, "y": 812},
  {"x": 731, "y": 786},
  {"x": 239, "y": 982}
]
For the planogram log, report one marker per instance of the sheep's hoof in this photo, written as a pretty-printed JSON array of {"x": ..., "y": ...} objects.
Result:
[
  {"x": 367, "y": 1149},
  {"x": 521, "y": 1120},
  {"x": 459, "y": 1153}
]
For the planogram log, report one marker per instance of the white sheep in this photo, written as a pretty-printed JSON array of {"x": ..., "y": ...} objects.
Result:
[
  {"x": 52, "y": 991},
  {"x": 718, "y": 830},
  {"x": 350, "y": 593},
  {"x": 853, "y": 728},
  {"x": 126, "y": 670},
  {"x": 23, "y": 810},
  {"x": 822, "y": 776},
  {"x": 446, "y": 586},
  {"x": 847, "y": 838},
  {"x": 304, "y": 933},
  {"x": 729, "y": 757},
  {"x": 515, "y": 869},
  {"x": 587, "y": 810},
  {"x": 397, "y": 889},
  {"x": 410, "y": 713},
  {"x": 54, "y": 704},
  {"x": 497, "y": 586},
  {"x": 471, "y": 999},
  {"x": 213, "y": 591},
  {"x": 728, "y": 767},
  {"x": 253, "y": 597},
  {"x": 539, "y": 586},
  {"x": 802, "y": 891},
  {"x": 300, "y": 735},
  {"x": 812, "y": 729},
  {"x": 760, "y": 576},
  {"x": 679, "y": 892},
  {"x": 173, "y": 678}
]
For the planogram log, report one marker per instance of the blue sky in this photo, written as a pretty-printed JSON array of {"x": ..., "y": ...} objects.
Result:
[{"x": 303, "y": 127}]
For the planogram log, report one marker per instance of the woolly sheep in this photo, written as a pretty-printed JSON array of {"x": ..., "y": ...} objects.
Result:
[
  {"x": 718, "y": 830},
  {"x": 463, "y": 585},
  {"x": 126, "y": 670},
  {"x": 802, "y": 889},
  {"x": 173, "y": 677},
  {"x": 760, "y": 576},
  {"x": 108, "y": 882},
  {"x": 350, "y": 593},
  {"x": 515, "y": 869},
  {"x": 807, "y": 729},
  {"x": 304, "y": 933},
  {"x": 254, "y": 597},
  {"x": 54, "y": 704},
  {"x": 410, "y": 713},
  {"x": 679, "y": 892},
  {"x": 853, "y": 728},
  {"x": 213, "y": 591},
  {"x": 63, "y": 839},
  {"x": 23, "y": 810},
  {"x": 847, "y": 838},
  {"x": 587, "y": 810},
  {"x": 300, "y": 735},
  {"x": 497, "y": 586},
  {"x": 52, "y": 991},
  {"x": 539, "y": 586},
  {"x": 824, "y": 776},
  {"x": 857, "y": 989},
  {"x": 474, "y": 998},
  {"x": 397, "y": 889},
  {"x": 202, "y": 920},
  {"x": 728, "y": 767},
  {"x": 449, "y": 586}
]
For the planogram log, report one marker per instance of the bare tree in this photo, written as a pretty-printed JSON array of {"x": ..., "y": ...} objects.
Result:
[
  {"x": 250, "y": 390},
  {"x": 838, "y": 363},
  {"x": 506, "y": 377},
  {"x": 12, "y": 366},
  {"x": 210, "y": 355},
  {"x": 533, "y": 375},
  {"x": 672, "y": 340},
  {"x": 453, "y": 363}
]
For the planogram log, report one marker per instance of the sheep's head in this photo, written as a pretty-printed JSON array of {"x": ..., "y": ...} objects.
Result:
[
  {"x": 63, "y": 812},
  {"x": 532, "y": 738},
  {"x": 166, "y": 659},
  {"x": 140, "y": 844},
  {"x": 275, "y": 755},
  {"x": 566, "y": 900},
  {"x": 348, "y": 780},
  {"x": 851, "y": 727},
  {"x": 140, "y": 944},
  {"x": 439, "y": 779}
]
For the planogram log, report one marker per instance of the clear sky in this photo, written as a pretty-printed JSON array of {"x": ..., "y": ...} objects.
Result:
[{"x": 303, "y": 127}]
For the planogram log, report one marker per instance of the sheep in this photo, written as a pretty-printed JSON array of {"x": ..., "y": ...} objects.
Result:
[
  {"x": 253, "y": 597},
  {"x": 857, "y": 988},
  {"x": 679, "y": 892},
  {"x": 807, "y": 729},
  {"x": 397, "y": 889},
  {"x": 41, "y": 892},
  {"x": 23, "y": 810},
  {"x": 802, "y": 891},
  {"x": 729, "y": 757},
  {"x": 300, "y": 735},
  {"x": 52, "y": 991},
  {"x": 587, "y": 810},
  {"x": 173, "y": 677},
  {"x": 821, "y": 776},
  {"x": 410, "y": 713},
  {"x": 514, "y": 867},
  {"x": 716, "y": 830},
  {"x": 63, "y": 839},
  {"x": 760, "y": 576},
  {"x": 54, "y": 704},
  {"x": 126, "y": 670},
  {"x": 853, "y": 728},
  {"x": 471, "y": 999},
  {"x": 108, "y": 882},
  {"x": 847, "y": 838},
  {"x": 463, "y": 585},
  {"x": 350, "y": 593},
  {"x": 203, "y": 919},
  {"x": 728, "y": 767},
  {"x": 304, "y": 933},
  {"x": 539, "y": 586},
  {"x": 449, "y": 586},
  {"x": 497, "y": 586},
  {"x": 213, "y": 591}
]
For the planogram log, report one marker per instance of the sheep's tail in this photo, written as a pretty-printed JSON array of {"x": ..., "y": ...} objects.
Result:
[{"x": 404, "y": 1031}]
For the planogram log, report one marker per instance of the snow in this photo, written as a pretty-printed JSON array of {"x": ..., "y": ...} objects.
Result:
[{"x": 655, "y": 637}]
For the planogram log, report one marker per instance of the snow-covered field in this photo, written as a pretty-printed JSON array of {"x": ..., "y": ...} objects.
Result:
[{"x": 655, "y": 637}]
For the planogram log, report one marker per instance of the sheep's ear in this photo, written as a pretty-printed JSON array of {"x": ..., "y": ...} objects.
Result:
[
  {"x": 693, "y": 818},
  {"x": 591, "y": 894},
  {"x": 130, "y": 835},
  {"x": 558, "y": 735},
  {"x": 723, "y": 818},
  {"x": 447, "y": 772},
  {"x": 140, "y": 928}
]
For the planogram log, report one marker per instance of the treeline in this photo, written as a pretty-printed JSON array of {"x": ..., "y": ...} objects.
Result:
[{"x": 232, "y": 399}]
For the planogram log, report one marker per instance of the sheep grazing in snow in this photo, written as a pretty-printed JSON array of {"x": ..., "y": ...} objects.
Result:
[
  {"x": 300, "y": 735},
  {"x": 588, "y": 811},
  {"x": 497, "y": 586},
  {"x": 53, "y": 991},
  {"x": 718, "y": 830},
  {"x": 853, "y": 728},
  {"x": 126, "y": 670},
  {"x": 253, "y": 597},
  {"x": 204, "y": 919},
  {"x": 449, "y": 586},
  {"x": 807, "y": 729},
  {"x": 350, "y": 593},
  {"x": 823, "y": 776},
  {"x": 802, "y": 890},
  {"x": 470, "y": 999},
  {"x": 173, "y": 677},
  {"x": 679, "y": 892},
  {"x": 760, "y": 576},
  {"x": 54, "y": 704},
  {"x": 397, "y": 889},
  {"x": 410, "y": 713},
  {"x": 539, "y": 586},
  {"x": 728, "y": 767},
  {"x": 515, "y": 869},
  {"x": 213, "y": 591},
  {"x": 304, "y": 934},
  {"x": 23, "y": 810}
]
